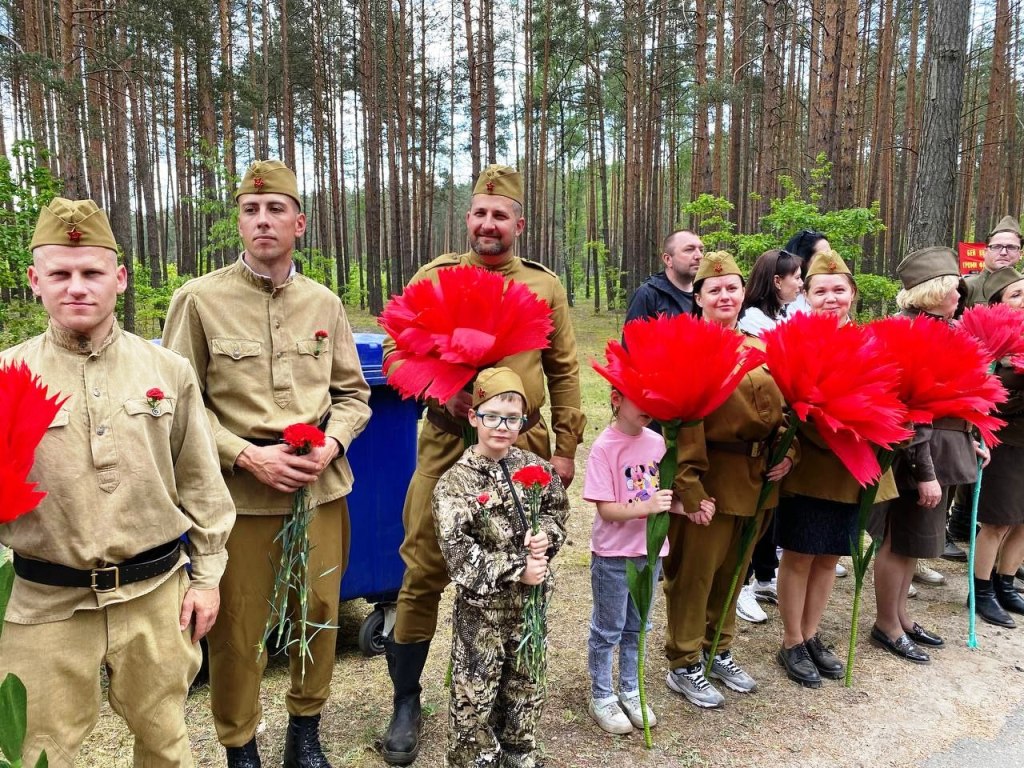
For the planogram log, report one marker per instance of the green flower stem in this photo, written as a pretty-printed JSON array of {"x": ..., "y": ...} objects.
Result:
[
  {"x": 972, "y": 635},
  {"x": 532, "y": 651},
  {"x": 861, "y": 556},
  {"x": 747, "y": 536},
  {"x": 639, "y": 580}
]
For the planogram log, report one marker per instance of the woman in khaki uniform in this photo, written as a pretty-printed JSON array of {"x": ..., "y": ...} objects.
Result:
[
  {"x": 817, "y": 516},
  {"x": 939, "y": 455},
  {"x": 722, "y": 464},
  {"x": 1000, "y": 544}
]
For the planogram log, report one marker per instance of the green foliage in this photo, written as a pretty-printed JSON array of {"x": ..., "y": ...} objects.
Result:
[
  {"x": 877, "y": 296},
  {"x": 315, "y": 265},
  {"x": 354, "y": 293},
  {"x": 708, "y": 213},
  {"x": 26, "y": 185},
  {"x": 20, "y": 320},
  {"x": 151, "y": 303}
]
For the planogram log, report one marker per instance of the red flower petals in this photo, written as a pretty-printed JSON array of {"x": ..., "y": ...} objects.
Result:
[
  {"x": 303, "y": 437},
  {"x": 832, "y": 374},
  {"x": 532, "y": 474},
  {"x": 446, "y": 331},
  {"x": 155, "y": 393},
  {"x": 25, "y": 414},
  {"x": 649, "y": 369},
  {"x": 997, "y": 327},
  {"x": 942, "y": 372},
  {"x": 483, "y": 498},
  {"x": 320, "y": 335}
]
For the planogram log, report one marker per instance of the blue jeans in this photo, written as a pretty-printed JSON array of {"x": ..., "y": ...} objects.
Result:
[{"x": 613, "y": 622}]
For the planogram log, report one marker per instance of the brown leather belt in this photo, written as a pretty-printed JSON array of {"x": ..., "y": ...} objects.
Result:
[
  {"x": 446, "y": 423},
  {"x": 103, "y": 578},
  {"x": 750, "y": 448},
  {"x": 952, "y": 425}
]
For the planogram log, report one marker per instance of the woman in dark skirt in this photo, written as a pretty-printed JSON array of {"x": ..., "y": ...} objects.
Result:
[
  {"x": 938, "y": 456},
  {"x": 1000, "y": 544},
  {"x": 817, "y": 516}
]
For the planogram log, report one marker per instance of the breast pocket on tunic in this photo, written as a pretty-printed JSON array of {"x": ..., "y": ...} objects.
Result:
[
  {"x": 309, "y": 348},
  {"x": 240, "y": 361},
  {"x": 143, "y": 407}
]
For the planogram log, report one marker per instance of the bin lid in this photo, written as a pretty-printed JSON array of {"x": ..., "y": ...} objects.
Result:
[{"x": 370, "y": 347}]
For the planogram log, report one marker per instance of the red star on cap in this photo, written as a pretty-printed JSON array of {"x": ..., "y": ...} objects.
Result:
[
  {"x": 490, "y": 186},
  {"x": 74, "y": 235},
  {"x": 718, "y": 267},
  {"x": 832, "y": 266},
  {"x": 258, "y": 182},
  {"x": 480, "y": 391}
]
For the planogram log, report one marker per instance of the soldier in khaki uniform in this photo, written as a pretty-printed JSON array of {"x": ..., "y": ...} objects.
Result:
[
  {"x": 722, "y": 464},
  {"x": 273, "y": 348},
  {"x": 1002, "y": 250},
  {"x": 493, "y": 222},
  {"x": 484, "y": 533},
  {"x": 100, "y": 566}
]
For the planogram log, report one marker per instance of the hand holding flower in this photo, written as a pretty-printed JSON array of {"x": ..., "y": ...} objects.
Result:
[
  {"x": 535, "y": 571},
  {"x": 659, "y": 502},
  {"x": 279, "y": 466},
  {"x": 537, "y": 543},
  {"x": 780, "y": 470}
]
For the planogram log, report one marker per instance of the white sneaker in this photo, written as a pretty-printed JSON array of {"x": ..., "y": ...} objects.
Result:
[
  {"x": 630, "y": 703},
  {"x": 912, "y": 592},
  {"x": 766, "y": 591},
  {"x": 608, "y": 715},
  {"x": 747, "y": 607},
  {"x": 840, "y": 570},
  {"x": 690, "y": 682},
  {"x": 925, "y": 575},
  {"x": 731, "y": 673}
]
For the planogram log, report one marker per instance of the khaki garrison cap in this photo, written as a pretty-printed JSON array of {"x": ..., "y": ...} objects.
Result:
[
  {"x": 500, "y": 180},
  {"x": 998, "y": 280},
  {"x": 1006, "y": 224},
  {"x": 717, "y": 264},
  {"x": 827, "y": 263},
  {"x": 73, "y": 222},
  {"x": 927, "y": 263},
  {"x": 492, "y": 382},
  {"x": 269, "y": 176}
]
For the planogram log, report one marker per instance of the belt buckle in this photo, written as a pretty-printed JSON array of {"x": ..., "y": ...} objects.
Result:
[
  {"x": 106, "y": 569},
  {"x": 756, "y": 449}
]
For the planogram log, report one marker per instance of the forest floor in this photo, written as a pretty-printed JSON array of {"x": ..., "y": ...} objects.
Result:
[{"x": 895, "y": 714}]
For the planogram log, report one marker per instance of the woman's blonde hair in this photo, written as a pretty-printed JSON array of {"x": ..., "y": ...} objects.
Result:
[{"x": 927, "y": 295}]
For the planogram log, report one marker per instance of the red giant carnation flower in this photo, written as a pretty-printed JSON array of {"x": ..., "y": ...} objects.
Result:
[
  {"x": 25, "y": 414},
  {"x": 942, "y": 372},
  {"x": 832, "y": 375},
  {"x": 997, "y": 327},
  {"x": 648, "y": 370},
  {"x": 446, "y": 331}
]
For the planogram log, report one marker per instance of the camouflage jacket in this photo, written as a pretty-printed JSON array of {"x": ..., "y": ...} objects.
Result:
[{"x": 480, "y": 526}]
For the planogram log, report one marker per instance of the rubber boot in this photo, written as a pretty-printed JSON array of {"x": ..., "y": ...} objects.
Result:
[
  {"x": 245, "y": 756},
  {"x": 405, "y": 665},
  {"x": 302, "y": 743},
  {"x": 1006, "y": 594},
  {"x": 986, "y": 606}
]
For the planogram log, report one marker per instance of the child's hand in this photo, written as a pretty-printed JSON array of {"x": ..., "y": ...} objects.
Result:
[
  {"x": 537, "y": 543},
  {"x": 535, "y": 571},
  {"x": 704, "y": 513},
  {"x": 659, "y": 502}
]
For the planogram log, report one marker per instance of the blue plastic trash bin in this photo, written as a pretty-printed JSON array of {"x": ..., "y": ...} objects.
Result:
[{"x": 383, "y": 459}]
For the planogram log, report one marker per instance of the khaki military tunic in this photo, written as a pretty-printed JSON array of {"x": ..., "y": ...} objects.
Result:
[
  {"x": 701, "y": 559},
  {"x": 495, "y": 707},
  {"x": 122, "y": 476},
  {"x": 262, "y": 369},
  {"x": 557, "y": 366},
  {"x": 976, "y": 286}
]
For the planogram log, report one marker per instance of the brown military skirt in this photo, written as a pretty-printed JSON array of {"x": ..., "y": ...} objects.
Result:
[
  {"x": 1002, "y": 487},
  {"x": 914, "y": 530}
]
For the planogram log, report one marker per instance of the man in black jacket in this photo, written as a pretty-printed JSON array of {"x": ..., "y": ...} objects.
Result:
[{"x": 670, "y": 292}]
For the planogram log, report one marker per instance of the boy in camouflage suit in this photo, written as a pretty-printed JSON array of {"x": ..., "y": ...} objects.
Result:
[{"x": 493, "y": 559}]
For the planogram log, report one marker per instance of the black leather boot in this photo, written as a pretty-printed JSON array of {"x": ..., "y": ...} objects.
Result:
[
  {"x": 302, "y": 743},
  {"x": 1007, "y": 595},
  {"x": 405, "y": 665},
  {"x": 986, "y": 606},
  {"x": 245, "y": 756}
]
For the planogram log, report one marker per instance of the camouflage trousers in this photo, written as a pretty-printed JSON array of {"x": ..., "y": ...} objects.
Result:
[{"x": 494, "y": 710}]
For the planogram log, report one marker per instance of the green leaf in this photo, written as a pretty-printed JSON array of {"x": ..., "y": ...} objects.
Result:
[
  {"x": 657, "y": 532},
  {"x": 641, "y": 589},
  {"x": 13, "y": 720},
  {"x": 42, "y": 762}
]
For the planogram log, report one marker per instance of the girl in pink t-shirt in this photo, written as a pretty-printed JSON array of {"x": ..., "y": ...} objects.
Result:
[{"x": 622, "y": 480}]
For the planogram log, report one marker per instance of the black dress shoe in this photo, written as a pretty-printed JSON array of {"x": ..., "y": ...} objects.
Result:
[
  {"x": 799, "y": 666},
  {"x": 922, "y": 636},
  {"x": 828, "y": 663},
  {"x": 902, "y": 646},
  {"x": 952, "y": 552}
]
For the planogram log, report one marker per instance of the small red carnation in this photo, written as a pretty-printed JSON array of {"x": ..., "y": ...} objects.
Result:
[
  {"x": 303, "y": 437},
  {"x": 155, "y": 393},
  {"x": 531, "y": 475},
  {"x": 320, "y": 335},
  {"x": 483, "y": 498}
]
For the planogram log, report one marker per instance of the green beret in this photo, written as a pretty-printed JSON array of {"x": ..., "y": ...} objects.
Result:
[
  {"x": 1006, "y": 224},
  {"x": 827, "y": 263},
  {"x": 717, "y": 264},
  {"x": 73, "y": 222},
  {"x": 997, "y": 281},
  {"x": 500, "y": 180},
  {"x": 492, "y": 382},
  {"x": 269, "y": 176},
  {"x": 927, "y": 263}
]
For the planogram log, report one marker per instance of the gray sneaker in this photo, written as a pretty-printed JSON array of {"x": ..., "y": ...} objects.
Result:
[
  {"x": 690, "y": 682},
  {"x": 730, "y": 673}
]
